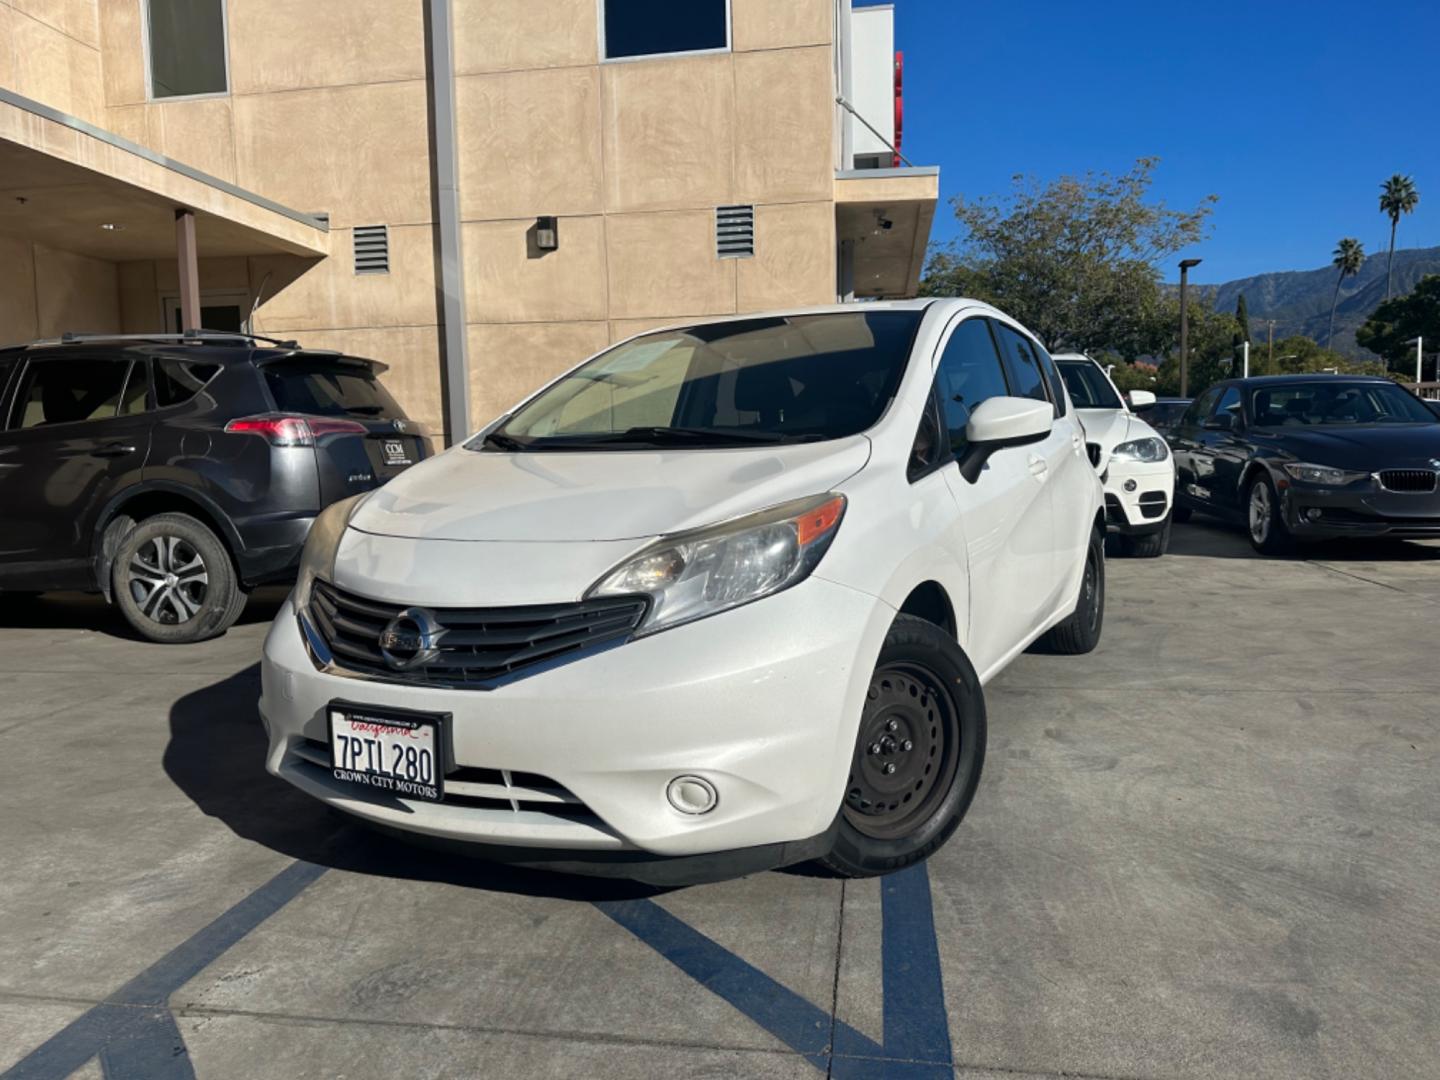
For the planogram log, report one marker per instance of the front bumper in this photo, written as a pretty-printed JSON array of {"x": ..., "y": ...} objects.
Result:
[
  {"x": 1138, "y": 495},
  {"x": 1317, "y": 513},
  {"x": 763, "y": 702}
]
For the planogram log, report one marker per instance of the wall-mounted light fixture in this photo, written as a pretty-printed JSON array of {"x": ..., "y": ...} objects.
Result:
[{"x": 547, "y": 233}]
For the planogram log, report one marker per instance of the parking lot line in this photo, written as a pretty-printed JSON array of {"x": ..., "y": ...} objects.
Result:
[{"x": 133, "y": 1031}]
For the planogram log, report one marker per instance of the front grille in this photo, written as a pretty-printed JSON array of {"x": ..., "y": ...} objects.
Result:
[
  {"x": 477, "y": 788},
  {"x": 477, "y": 647},
  {"x": 1416, "y": 481}
]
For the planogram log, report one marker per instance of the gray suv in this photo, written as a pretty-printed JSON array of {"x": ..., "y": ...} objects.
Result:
[{"x": 173, "y": 473}]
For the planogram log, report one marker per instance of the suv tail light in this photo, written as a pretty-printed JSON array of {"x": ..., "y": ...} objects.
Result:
[{"x": 280, "y": 429}]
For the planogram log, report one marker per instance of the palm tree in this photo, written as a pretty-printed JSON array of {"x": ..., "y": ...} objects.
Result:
[
  {"x": 1397, "y": 196},
  {"x": 1349, "y": 258}
]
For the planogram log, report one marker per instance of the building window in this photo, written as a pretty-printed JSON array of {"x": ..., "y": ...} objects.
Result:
[
  {"x": 185, "y": 43},
  {"x": 633, "y": 28}
]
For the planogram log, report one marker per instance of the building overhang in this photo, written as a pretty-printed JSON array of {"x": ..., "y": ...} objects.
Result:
[
  {"x": 62, "y": 181},
  {"x": 886, "y": 214}
]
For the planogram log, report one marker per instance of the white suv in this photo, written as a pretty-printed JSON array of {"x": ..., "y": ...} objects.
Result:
[
  {"x": 721, "y": 598},
  {"x": 1133, "y": 460}
]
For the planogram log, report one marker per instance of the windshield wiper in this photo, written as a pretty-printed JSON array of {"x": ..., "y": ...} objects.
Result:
[{"x": 505, "y": 442}]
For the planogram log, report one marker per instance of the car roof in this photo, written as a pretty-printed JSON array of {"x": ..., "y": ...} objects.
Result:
[
  {"x": 1256, "y": 381},
  {"x": 218, "y": 348}
]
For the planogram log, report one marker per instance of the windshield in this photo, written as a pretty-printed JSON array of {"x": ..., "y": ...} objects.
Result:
[
  {"x": 1088, "y": 386},
  {"x": 1328, "y": 404},
  {"x": 798, "y": 378}
]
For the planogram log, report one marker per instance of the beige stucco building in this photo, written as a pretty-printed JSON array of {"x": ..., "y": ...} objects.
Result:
[{"x": 291, "y": 133}]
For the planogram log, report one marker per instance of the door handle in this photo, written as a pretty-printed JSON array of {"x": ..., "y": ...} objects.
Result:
[
  {"x": 113, "y": 449},
  {"x": 1038, "y": 466}
]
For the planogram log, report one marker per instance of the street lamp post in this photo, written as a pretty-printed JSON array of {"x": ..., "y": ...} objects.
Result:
[
  {"x": 1419, "y": 343},
  {"x": 1185, "y": 265}
]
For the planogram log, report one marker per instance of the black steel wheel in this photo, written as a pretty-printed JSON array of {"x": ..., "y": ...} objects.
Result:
[{"x": 918, "y": 756}]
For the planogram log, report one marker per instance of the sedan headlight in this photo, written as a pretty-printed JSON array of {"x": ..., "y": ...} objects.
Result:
[
  {"x": 691, "y": 575},
  {"x": 1151, "y": 449},
  {"x": 323, "y": 541},
  {"x": 1322, "y": 474}
]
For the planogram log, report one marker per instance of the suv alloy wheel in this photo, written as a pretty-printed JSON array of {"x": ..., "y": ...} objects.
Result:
[{"x": 174, "y": 582}]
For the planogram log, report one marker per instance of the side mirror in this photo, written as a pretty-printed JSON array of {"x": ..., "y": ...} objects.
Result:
[
  {"x": 1140, "y": 399},
  {"x": 1002, "y": 422},
  {"x": 1220, "y": 422}
]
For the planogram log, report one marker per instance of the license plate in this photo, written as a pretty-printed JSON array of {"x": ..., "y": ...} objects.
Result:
[
  {"x": 393, "y": 452},
  {"x": 391, "y": 752}
]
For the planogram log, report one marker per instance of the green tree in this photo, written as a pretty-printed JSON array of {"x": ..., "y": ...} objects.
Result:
[
  {"x": 1298, "y": 354},
  {"x": 1349, "y": 258},
  {"x": 1075, "y": 259},
  {"x": 1395, "y": 323},
  {"x": 1211, "y": 343},
  {"x": 1242, "y": 316},
  {"x": 1397, "y": 196}
]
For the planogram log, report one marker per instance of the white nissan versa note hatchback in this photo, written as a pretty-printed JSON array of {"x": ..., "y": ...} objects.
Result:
[{"x": 721, "y": 598}]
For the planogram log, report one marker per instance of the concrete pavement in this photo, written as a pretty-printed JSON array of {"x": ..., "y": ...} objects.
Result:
[{"x": 1209, "y": 849}]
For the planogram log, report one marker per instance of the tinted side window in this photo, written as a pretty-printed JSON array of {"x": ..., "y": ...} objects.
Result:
[
  {"x": 969, "y": 374},
  {"x": 177, "y": 381},
  {"x": 137, "y": 388},
  {"x": 1200, "y": 407},
  {"x": 1022, "y": 367},
  {"x": 68, "y": 391},
  {"x": 1052, "y": 378},
  {"x": 7, "y": 368}
]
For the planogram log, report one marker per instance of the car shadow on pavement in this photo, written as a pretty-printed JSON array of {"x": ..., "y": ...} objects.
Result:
[
  {"x": 1216, "y": 540},
  {"x": 216, "y": 756}
]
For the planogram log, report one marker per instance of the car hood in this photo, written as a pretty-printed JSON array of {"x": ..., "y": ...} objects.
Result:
[
  {"x": 618, "y": 495},
  {"x": 1366, "y": 448},
  {"x": 1111, "y": 427}
]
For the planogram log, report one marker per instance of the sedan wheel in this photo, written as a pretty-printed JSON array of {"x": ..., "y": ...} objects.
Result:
[
  {"x": 1266, "y": 525},
  {"x": 1260, "y": 511}
]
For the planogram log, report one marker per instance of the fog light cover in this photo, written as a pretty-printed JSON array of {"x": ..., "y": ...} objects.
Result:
[
  {"x": 692, "y": 795},
  {"x": 1130, "y": 485}
]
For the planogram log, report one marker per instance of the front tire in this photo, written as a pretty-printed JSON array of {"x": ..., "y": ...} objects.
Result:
[
  {"x": 918, "y": 755},
  {"x": 1265, "y": 522},
  {"x": 174, "y": 582},
  {"x": 1149, "y": 546},
  {"x": 1080, "y": 633}
]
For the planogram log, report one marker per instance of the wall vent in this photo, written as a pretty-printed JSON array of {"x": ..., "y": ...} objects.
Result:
[
  {"x": 372, "y": 249},
  {"x": 735, "y": 232}
]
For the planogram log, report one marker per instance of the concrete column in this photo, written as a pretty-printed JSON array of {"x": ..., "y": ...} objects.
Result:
[
  {"x": 189, "y": 270},
  {"x": 455, "y": 388}
]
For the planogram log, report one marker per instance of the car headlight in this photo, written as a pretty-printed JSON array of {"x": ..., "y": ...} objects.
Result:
[
  {"x": 1150, "y": 449},
  {"x": 1322, "y": 474},
  {"x": 691, "y": 575},
  {"x": 321, "y": 544}
]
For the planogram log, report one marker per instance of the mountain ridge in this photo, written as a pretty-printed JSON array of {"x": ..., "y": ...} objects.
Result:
[{"x": 1299, "y": 300}]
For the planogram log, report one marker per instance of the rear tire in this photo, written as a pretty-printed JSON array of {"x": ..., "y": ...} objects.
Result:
[
  {"x": 1149, "y": 546},
  {"x": 1080, "y": 633},
  {"x": 174, "y": 582},
  {"x": 918, "y": 754},
  {"x": 1264, "y": 521}
]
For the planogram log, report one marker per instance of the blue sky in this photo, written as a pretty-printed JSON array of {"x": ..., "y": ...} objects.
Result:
[{"x": 1289, "y": 111}]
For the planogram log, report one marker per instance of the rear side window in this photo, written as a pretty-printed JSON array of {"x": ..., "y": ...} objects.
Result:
[
  {"x": 1052, "y": 378},
  {"x": 137, "y": 386},
  {"x": 969, "y": 374},
  {"x": 68, "y": 391},
  {"x": 1200, "y": 407},
  {"x": 177, "y": 381},
  {"x": 321, "y": 389},
  {"x": 1022, "y": 366}
]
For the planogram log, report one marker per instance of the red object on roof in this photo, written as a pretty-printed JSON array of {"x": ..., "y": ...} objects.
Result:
[{"x": 899, "y": 104}]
